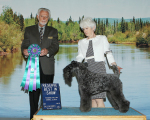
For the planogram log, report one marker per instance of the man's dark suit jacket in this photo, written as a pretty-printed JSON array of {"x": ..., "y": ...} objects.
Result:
[{"x": 50, "y": 42}]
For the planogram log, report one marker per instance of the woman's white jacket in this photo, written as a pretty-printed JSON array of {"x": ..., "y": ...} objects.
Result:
[{"x": 100, "y": 47}]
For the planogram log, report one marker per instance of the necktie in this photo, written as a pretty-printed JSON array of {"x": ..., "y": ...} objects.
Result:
[
  {"x": 41, "y": 35},
  {"x": 90, "y": 49}
]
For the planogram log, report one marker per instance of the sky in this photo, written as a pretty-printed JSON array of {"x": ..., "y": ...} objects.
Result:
[{"x": 77, "y": 8}]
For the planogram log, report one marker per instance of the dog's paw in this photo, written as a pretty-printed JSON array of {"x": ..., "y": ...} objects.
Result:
[
  {"x": 116, "y": 107},
  {"x": 85, "y": 109},
  {"x": 123, "y": 110},
  {"x": 124, "y": 107}
]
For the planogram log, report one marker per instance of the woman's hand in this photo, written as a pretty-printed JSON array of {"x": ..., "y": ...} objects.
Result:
[{"x": 119, "y": 68}]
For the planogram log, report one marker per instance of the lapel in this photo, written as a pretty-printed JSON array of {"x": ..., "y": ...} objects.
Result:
[
  {"x": 37, "y": 34},
  {"x": 46, "y": 32}
]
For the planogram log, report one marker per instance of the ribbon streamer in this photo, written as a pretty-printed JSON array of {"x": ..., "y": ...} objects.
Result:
[{"x": 31, "y": 78}]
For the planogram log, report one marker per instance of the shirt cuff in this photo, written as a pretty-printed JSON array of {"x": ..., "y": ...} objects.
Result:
[
  {"x": 114, "y": 63},
  {"x": 26, "y": 56}
]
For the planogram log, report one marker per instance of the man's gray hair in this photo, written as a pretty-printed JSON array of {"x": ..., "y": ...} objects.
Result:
[
  {"x": 87, "y": 22},
  {"x": 44, "y": 9}
]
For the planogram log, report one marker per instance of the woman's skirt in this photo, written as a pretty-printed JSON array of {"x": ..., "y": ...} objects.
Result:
[{"x": 97, "y": 67}]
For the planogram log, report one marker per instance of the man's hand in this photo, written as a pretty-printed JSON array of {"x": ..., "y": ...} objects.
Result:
[
  {"x": 44, "y": 51},
  {"x": 25, "y": 52}
]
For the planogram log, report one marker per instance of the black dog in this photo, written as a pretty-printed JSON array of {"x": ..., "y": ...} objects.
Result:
[{"x": 90, "y": 83}]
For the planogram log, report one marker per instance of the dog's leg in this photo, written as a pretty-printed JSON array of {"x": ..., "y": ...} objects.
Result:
[
  {"x": 85, "y": 102},
  {"x": 118, "y": 96},
  {"x": 112, "y": 102}
]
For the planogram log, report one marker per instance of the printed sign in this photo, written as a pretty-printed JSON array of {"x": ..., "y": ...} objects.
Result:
[{"x": 50, "y": 96}]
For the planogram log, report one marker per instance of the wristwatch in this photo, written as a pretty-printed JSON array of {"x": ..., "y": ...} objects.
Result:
[
  {"x": 26, "y": 56},
  {"x": 47, "y": 54}
]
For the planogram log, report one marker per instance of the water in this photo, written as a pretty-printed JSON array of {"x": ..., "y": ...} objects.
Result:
[{"x": 135, "y": 77}]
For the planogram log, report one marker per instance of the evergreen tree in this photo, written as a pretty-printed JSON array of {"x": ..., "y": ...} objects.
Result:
[
  {"x": 137, "y": 25},
  {"x": 107, "y": 22},
  {"x": 122, "y": 25},
  {"x": 126, "y": 26},
  {"x": 96, "y": 31},
  {"x": 79, "y": 20},
  {"x": 114, "y": 27},
  {"x": 104, "y": 28},
  {"x": 17, "y": 21},
  {"x": 67, "y": 22},
  {"x": 31, "y": 16},
  {"x": 15, "y": 17},
  {"x": 7, "y": 15},
  {"x": 21, "y": 21},
  {"x": 117, "y": 25},
  {"x": 141, "y": 23},
  {"x": 101, "y": 28},
  {"x": 58, "y": 21},
  {"x": 98, "y": 26},
  {"x": 36, "y": 20},
  {"x": 99, "y": 21},
  {"x": 133, "y": 19},
  {"x": 70, "y": 19}
]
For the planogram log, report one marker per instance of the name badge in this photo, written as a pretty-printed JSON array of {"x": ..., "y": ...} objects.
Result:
[{"x": 50, "y": 37}]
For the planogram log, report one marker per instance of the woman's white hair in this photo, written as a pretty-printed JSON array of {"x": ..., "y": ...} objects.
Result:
[
  {"x": 87, "y": 22},
  {"x": 44, "y": 9}
]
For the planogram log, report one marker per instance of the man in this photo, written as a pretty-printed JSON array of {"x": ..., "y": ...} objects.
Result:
[{"x": 47, "y": 38}]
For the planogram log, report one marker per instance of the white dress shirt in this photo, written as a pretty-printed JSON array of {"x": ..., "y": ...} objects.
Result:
[{"x": 100, "y": 47}]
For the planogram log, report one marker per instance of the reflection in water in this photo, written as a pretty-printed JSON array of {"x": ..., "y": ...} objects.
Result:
[
  {"x": 135, "y": 78},
  {"x": 8, "y": 64},
  {"x": 67, "y": 50}
]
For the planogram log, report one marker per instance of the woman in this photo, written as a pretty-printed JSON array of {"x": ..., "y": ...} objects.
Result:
[{"x": 92, "y": 50}]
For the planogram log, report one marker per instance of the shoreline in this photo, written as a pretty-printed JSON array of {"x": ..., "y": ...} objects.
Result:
[{"x": 2, "y": 53}]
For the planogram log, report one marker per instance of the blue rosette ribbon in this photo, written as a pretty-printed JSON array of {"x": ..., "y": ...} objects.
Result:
[{"x": 31, "y": 78}]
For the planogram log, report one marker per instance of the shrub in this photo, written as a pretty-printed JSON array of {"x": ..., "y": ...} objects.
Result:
[
  {"x": 140, "y": 40},
  {"x": 11, "y": 35}
]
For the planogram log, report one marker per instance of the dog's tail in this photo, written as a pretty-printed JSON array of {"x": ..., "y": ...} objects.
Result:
[{"x": 116, "y": 71}]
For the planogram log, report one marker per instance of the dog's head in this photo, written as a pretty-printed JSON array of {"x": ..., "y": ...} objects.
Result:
[
  {"x": 73, "y": 69},
  {"x": 68, "y": 72}
]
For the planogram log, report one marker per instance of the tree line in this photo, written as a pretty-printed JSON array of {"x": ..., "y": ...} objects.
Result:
[
  {"x": 14, "y": 24},
  {"x": 11, "y": 17},
  {"x": 70, "y": 30}
]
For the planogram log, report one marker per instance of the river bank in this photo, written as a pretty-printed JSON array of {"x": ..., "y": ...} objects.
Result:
[
  {"x": 2, "y": 53},
  {"x": 76, "y": 41}
]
